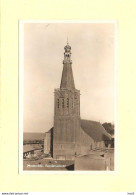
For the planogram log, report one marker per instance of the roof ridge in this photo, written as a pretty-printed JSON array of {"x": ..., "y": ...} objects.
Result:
[
  {"x": 89, "y": 120},
  {"x": 95, "y": 130}
]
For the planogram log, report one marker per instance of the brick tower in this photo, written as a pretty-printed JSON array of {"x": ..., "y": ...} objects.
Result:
[{"x": 66, "y": 132}]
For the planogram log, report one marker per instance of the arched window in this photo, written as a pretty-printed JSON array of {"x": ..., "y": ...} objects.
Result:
[
  {"x": 62, "y": 103},
  {"x": 58, "y": 103},
  {"x": 67, "y": 102},
  {"x": 72, "y": 103}
]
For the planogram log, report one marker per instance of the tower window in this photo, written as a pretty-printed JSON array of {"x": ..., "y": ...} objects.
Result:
[
  {"x": 72, "y": 103},
  {"x": 67, "y": 102},
  {"x": 62, "y": 103},
  {"x": 58, "y": 103}
]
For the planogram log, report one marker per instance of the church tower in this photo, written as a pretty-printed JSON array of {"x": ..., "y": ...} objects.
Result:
[{"x": 66, "y": 132}]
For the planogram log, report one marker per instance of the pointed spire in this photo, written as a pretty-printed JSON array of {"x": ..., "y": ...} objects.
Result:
[{"x": 67, "y": 80}]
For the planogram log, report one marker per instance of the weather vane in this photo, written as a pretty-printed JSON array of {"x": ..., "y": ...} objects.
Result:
[{"x": 67, "y": 40}]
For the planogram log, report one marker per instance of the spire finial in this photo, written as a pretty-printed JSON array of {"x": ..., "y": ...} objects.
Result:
[{"x": 67, "y": 40}]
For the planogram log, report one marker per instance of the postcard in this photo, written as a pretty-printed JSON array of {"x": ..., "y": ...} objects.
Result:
[{"x": 68, "y": 96}]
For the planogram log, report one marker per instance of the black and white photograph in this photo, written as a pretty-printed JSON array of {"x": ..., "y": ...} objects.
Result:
[{"x": 67, "y": 96}]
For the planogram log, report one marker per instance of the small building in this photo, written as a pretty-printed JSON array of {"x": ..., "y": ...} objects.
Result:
[
  {"x": 29, "y": 151},
  {"x": 92, "y": 162}
]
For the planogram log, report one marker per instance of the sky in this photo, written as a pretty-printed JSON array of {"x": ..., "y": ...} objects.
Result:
[{"x": 93, "y": 57}]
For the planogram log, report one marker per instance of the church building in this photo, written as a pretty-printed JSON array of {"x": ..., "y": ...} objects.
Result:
[{"x": 71, "y": 136}]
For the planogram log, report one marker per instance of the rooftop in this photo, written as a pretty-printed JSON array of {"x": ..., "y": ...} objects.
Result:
[{"x": 95, "y": 130}]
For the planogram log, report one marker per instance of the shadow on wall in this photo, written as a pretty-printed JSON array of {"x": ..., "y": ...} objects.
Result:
[{"x": 51, "y": 146}]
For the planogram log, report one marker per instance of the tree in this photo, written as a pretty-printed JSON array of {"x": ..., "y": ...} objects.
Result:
[{"x": 109, "y": 127}]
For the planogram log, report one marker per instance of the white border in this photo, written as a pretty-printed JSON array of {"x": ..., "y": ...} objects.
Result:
[{"x": 21, "y": 95}]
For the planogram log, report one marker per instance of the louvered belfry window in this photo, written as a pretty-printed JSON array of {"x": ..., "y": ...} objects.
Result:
[
  {"x": 67, "y": 102},
  {"x": 62, "y": 103},
  {"x": 58, "y": 103}
]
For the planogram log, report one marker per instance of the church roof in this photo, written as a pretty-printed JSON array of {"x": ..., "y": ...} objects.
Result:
[{"x": 95, "y": 130}]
